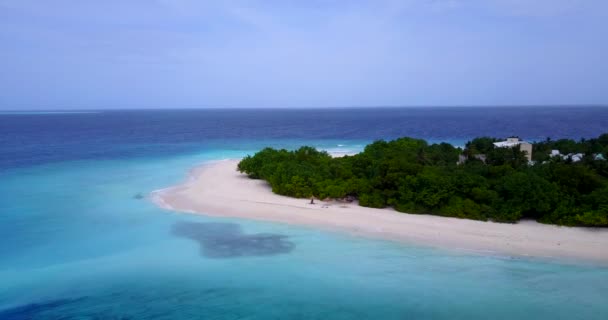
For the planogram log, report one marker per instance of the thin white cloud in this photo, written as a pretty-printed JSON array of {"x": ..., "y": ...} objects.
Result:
[{"x": 539, "y": 8}]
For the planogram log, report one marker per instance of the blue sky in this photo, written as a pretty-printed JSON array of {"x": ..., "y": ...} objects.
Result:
[{"x": 60, "y": 54}]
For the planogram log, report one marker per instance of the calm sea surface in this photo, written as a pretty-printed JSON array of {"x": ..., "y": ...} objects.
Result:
[{"x": 81, "y": 240}]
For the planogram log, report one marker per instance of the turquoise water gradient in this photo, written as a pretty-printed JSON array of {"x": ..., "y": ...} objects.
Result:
[{"x": 78, "y": 244}]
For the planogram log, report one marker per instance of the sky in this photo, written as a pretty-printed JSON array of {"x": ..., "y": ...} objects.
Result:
[{"x": 83, "y": 54}]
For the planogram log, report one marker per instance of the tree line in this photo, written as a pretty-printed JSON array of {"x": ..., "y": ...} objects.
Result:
[{"x": 414, "y": 176}]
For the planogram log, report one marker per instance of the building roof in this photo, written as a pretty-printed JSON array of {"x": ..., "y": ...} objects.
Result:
[
  {"x": 575, "y": 157},
  {"x": 507, "y": 144},
  {"x": 503, "y": 144}
]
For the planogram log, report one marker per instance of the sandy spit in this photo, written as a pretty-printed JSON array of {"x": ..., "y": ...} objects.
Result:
[{"x": 217, "y": 189}]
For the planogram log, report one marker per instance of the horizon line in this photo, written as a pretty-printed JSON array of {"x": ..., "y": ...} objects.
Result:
[{"x": 64, "y": 109}]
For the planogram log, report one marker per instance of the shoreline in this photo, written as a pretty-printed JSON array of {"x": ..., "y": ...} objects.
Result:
[{"x": 217, "y": 189}]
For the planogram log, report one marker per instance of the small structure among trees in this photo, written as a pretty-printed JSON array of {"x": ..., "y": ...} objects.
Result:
[{"x": 511, "y": 142}]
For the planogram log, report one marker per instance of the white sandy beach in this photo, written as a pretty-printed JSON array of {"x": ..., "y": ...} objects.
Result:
[{"x": 218, "y": 189}]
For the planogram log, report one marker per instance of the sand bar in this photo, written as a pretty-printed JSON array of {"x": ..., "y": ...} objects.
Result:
[{"x": 217, "y": 189}]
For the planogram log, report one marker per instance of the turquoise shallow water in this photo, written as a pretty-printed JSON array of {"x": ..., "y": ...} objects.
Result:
[
  {"x": 78, "y": 243},
  {"x": 81, "y": 240}
]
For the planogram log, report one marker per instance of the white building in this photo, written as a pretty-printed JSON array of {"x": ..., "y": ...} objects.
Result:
[
  {"x": 575, "y": 157},
  {"x": 511, "y": 142}
]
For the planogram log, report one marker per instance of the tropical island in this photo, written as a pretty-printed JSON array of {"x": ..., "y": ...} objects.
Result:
[
  {"x": 414, "y": 192},
  {"x": 563, "y": 182}
]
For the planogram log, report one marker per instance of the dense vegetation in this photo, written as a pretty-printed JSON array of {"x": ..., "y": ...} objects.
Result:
[{"x": 415, "y": 177}]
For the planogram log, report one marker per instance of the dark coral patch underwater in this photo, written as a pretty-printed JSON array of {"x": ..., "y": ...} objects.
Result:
[{"x": 227, "y": 240}]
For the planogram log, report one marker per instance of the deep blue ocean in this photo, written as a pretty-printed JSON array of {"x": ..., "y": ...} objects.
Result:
[{"x": 80, "y": 239}]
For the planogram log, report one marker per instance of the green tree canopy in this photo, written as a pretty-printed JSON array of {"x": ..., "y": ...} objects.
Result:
[{"x": 416, "y": 177}]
